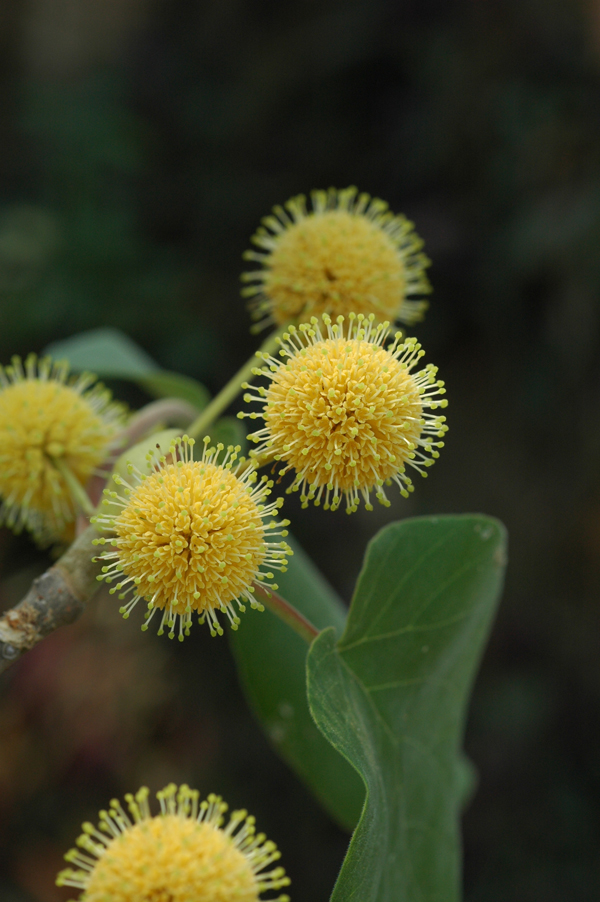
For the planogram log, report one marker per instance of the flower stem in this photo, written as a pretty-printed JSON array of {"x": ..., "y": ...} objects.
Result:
[
  {"x": 286, "y": 612},
  {"x": 77, "y": 490},
  {"x": 227, "y": 394}
]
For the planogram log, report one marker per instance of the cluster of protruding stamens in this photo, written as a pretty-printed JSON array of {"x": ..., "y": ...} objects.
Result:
[
  {"x": 347, "y": 413},
  {"x": 191, "y": 535},
  {"x": 181, "y": 854},
  {"x": 55, "y": 431},
  {"x": 350, "y": 253}
]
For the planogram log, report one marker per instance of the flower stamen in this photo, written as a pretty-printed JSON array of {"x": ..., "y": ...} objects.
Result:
[
  {"x": 192, "y": 535},
  {"x": 182, "y": 853},
  {"x": 349, "y": 253},
  {"x": 347, "y": 413},
  {"x": 54, "y": 433}
]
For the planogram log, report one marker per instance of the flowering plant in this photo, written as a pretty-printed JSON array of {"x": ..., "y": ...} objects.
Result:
[{"x": 366, "y": 705}]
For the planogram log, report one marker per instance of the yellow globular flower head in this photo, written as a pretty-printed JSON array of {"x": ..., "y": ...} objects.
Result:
[
  {"x": 183, "y": 854},
  {"x": 53, "y": 429},
  {"x": 192, "y": 535},
  {"x": 347, "y": 413},
  {"x": 349, "y": 253}
]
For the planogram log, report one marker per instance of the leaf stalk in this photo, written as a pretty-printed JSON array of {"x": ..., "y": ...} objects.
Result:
[{"x": 287, "y": 613}]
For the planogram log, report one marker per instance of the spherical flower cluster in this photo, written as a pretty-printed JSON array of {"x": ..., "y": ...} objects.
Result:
[
  {"x": 184, "y": 854},
  {"x": 54, "y": 432},
  {"x": 192, "y": 536},
  {"x": 347, "y": 413},
  {"x": 349, "y": 253}
]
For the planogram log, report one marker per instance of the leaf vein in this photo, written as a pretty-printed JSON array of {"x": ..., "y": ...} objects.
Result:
[
  {"x": 409, "y": 628},
  {"x": 432, "y": 549}
]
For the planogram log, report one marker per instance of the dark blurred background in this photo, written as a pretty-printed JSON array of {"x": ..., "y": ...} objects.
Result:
[{"x": 140, "y": 143}]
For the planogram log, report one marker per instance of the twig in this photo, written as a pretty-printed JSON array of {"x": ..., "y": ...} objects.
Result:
[
  {"x": 56, "y": 598},
  {"x": 172, "y": 411}
]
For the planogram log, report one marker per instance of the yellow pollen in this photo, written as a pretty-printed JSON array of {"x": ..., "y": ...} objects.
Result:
[
  {"x": 349, "y": 420},
  {"x": 45, "y": 427},
  {"x": 348, "y": 254},
  {"x": 192, "y": 537},
  {"x": 334, "y": 263},
  {"x": 183, "y": 854},
  {"x": 172, "y": 858}
]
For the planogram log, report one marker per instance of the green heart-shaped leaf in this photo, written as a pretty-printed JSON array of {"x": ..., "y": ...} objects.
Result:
[{"x": 391, "y": 695}]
